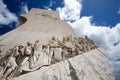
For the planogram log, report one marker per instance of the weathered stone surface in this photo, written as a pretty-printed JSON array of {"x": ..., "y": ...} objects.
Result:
[
  {"x": 91, "y": 65},
  {"x": 58, "y": 54},
  {"x": 52, "y": 52}
]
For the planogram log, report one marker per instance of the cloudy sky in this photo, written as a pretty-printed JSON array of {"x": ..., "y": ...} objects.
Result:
[{"x": 99, "y": 19}]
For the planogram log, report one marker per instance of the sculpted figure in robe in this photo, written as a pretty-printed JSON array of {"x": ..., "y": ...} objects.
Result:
[
  {"x": 9, "y": 64},
  {"x": 57, "y": 54},
  {"x": 37, "y": 50},
  {"x": 19, "y": 54},
  {"x": 51, "y": 51},
  {"x": 2, "y": 47},
  {"x": 43, "y": 59},
  {"x": 28, "y": 52},
  {"x": 36, "y": 54}
]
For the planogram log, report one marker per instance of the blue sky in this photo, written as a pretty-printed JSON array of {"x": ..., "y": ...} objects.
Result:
[
  {"x": 104, "y": 12},
  {"x": 99, "y": 19}
]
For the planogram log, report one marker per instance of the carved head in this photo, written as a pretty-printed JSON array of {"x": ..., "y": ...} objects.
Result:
[
  {"x": 37, "y": 41},
  {"x": 53, "y": 38},
  {"x": 29, "y": 44}
]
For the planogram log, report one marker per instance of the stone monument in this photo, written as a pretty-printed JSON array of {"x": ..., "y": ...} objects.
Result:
[{"x": 43, "y": 47}]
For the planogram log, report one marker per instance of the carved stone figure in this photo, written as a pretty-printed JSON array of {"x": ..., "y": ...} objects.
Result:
[
  {"x": 10, "y": 64},
  {"x": 27, "y": 53},
  {"x": 36, "y": 45},
  {"x": 65, "y": 54},
  {"x": 11, "y": 67},
  {"x": 91, "y": 43},
  {"x": 37, "y": 51},
  {"x": 58, "y": 54},
  {"x": 45, "y": 51},
  {"x": 4, "y": 63},
  {"x": 53, "y": 42},
  {"x": 51, "y": 51},
  {"x": 43, "y": 57},
  {"x": 2, "y": 47},
  {"x": 1, "y": 71},
  {"x": 19, "y": 53}
]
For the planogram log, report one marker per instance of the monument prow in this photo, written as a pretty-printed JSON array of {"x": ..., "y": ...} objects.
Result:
[{"x": 38, "y": 24}]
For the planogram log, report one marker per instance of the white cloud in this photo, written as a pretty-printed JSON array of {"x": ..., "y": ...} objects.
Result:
[
  {"x": 71, "y": 10},
  {"x": 50, "y": 4},
  {"x": 118, "y": 11},
  {"x": 102, "y": 35},
  {"x": 6, "y": 16},
  {"x": 49, "y": 9},
  {"x": 24, "y": 8},
  {"x": 108, "y": 38}
]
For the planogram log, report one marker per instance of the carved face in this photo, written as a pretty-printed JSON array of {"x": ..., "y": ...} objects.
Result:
[{"x": 29, "y": 44}]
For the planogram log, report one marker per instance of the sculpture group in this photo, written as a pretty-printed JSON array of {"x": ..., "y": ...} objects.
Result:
[{"x": 22, "y": 59}]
